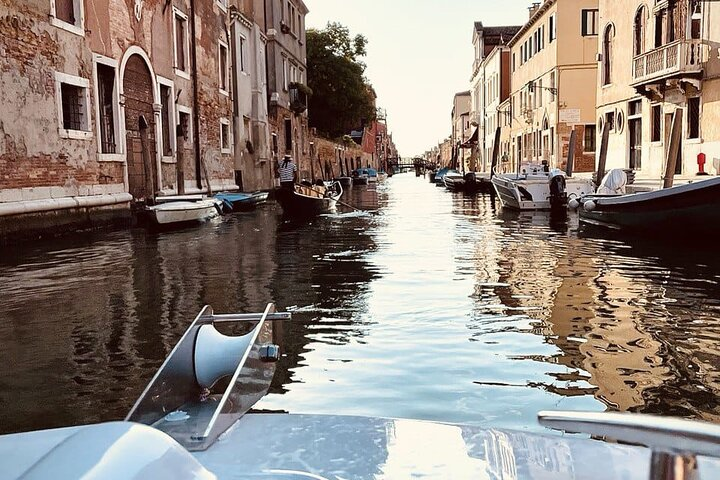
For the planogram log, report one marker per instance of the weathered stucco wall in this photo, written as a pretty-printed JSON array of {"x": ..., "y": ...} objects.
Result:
[{"x": 38, "y": 161}]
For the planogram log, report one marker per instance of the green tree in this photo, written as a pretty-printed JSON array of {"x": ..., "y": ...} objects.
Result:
[{"x": 342, "y": 97}]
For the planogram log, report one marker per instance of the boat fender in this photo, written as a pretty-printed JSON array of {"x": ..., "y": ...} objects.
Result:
[
  {"x": 573, "y": 204},
  {"x": 589, "y": 205}
]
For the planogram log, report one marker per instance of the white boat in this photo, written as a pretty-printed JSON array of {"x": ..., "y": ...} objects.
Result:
[
  {"x": 381, "y": 177},
  {"x": 189, "y": 424},
  {"x": 540, "y": 190},
  {"x": 183, "y": 211}
]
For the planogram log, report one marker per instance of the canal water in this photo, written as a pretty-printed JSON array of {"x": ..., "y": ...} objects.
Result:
[{"x": 432, "y": 306}]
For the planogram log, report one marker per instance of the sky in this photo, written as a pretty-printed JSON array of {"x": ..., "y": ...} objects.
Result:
[{"x": 420, "y": 54}]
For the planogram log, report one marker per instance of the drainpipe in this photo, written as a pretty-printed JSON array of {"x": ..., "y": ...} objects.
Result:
[{"x": 196, "y": 109}]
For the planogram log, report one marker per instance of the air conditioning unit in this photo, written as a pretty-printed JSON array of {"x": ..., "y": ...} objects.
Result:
[{"x": 274, "y": 98}]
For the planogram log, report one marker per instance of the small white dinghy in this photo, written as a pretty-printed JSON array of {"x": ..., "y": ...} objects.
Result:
[{"x": 183, "y": 209}]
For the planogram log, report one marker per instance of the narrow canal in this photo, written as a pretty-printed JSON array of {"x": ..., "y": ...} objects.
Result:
[{"x": 434, "y": 306}]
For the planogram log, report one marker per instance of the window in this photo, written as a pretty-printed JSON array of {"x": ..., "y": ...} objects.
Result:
[
  {"x": 180, "y": 43},
  {"x": 610, "y": 120},
  {"x": 68, "y": 15},
  {"x": 225, "y": 140},
  {"x": 589, "y": 22},
  {"x": 693, "y": 117},
  {"x": 222, "y": 4},
  {"x": 639, "y": 31},
  {"x": 166, "y": 120},
  {"x": 242, "y": 45},
  {"x": 589, "y": 140},
  {"x": 107, "y": 108},
  {"x": 540, "y": 92},
  {"x": 184, "y": 124},
  {"x": 552, "y": 86},
  {"x": 513, "y": 62},
  {"x": 288, "y": 135},
  {"x": 656, "y": 124},
  {"x": 223, "y": 67},
  {"x": 635, "y": 134},
  {"x": 285, "y": 73},
  {"x": 696, "y": 15},
  {"x": 552, "y": 29},
  {"x": 73, "y": 104},
  {"x": 607, "y": 55},
  {"x": 532, "y": 52}
]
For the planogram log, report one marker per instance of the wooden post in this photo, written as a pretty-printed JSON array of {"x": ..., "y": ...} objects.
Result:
[
  {"x": 180, "y": 162},
  {"x": 673, "y": 148},
  {"x": 495, "y": 152},
  {"x": 207, "y": 176},
  {"x": 571, "y": 154},
  {"x": 148, "y": 184},
  {"x": 602, "y": 159}
]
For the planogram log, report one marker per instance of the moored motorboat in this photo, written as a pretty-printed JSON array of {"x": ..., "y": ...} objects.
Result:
[
  {"x": 345, "y": 181},
  {"x": 238, "y": 201},
  {"x": 382, "y": 176},
  {"x": 540, "y": 190},
  {"x": 476, "y": 182},
  {"x": 309, "y": 200},
  {"x": 439, "y": 178},
  {"x": 193, "y": 421},
  {"x": 692, "y": 208},
  {"x": 360, "y": 177},
  {"x": 454, "y": 181},
  {"x": 172, "y": 211}
]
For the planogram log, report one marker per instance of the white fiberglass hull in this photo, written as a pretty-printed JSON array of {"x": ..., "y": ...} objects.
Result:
[
  {"x": 283, "y": 446},
  {"x": 532, "y": 192},
  {"x": 183, "y": 212}
]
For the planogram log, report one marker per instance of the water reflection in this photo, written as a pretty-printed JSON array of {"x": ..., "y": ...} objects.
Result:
[{"x": 427, "y": 305}]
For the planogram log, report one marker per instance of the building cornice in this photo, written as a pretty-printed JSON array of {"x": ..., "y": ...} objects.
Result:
[{"x": 542, "y": 9}]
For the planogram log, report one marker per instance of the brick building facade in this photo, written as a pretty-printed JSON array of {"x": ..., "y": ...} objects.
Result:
[{"x": 106, "y": 101}]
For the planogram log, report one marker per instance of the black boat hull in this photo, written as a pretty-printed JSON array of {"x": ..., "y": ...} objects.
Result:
[{"x": 685, "y": 209}]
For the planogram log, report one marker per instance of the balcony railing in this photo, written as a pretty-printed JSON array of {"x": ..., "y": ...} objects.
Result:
[{"x": 681, "y": 56}]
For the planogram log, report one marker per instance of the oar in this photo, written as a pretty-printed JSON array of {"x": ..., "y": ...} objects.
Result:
[{"x": 337, "y": 201}]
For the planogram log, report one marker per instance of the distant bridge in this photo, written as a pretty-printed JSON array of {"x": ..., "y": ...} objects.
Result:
[{"x": 399, "y": 165}]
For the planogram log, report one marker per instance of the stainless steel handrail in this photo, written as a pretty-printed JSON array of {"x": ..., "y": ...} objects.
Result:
[
  {"x": 244, "y": 317},
  {"x": 674, "y": 442}
]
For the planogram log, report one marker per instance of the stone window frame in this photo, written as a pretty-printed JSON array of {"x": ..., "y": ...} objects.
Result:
[
  {"x": 242, "y": 53},
  {"x": 177, "y": 13},
  {"x": 590, "y": 138},
  {"x": 188, "y": 111},
  {"x": 687, "y": 138},
  {"x": 119, "y": 155},
  {"x": 173, "y": 114},
  {"x": 79, "y": 10},
  {"x": 224, "y": 122},
  {"x": 223, "y": 5},
  {"x": 80, "y": 82},
  {"x": 285, "y": 84},
  {"x": 226, "y": 74}
]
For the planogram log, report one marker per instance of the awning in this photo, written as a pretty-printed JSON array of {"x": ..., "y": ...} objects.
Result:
[{"x": 472, "y": 141}]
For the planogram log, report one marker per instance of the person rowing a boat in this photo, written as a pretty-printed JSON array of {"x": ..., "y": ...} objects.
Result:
[{"x": 288, "y": 172}]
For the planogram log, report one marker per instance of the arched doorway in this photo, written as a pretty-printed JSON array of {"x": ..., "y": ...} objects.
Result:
[{"x": 138, "y": 90}]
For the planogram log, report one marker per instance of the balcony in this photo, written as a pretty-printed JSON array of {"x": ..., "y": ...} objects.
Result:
[
  {"x": 676, "y": 59},
  {"x": 299, "y": 95}
]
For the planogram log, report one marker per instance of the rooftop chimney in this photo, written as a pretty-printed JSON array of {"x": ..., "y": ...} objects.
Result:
[{"x": 533, "y": 8}]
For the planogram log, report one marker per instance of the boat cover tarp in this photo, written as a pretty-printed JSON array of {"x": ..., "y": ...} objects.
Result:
[{"x": 613, "y": 183}]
